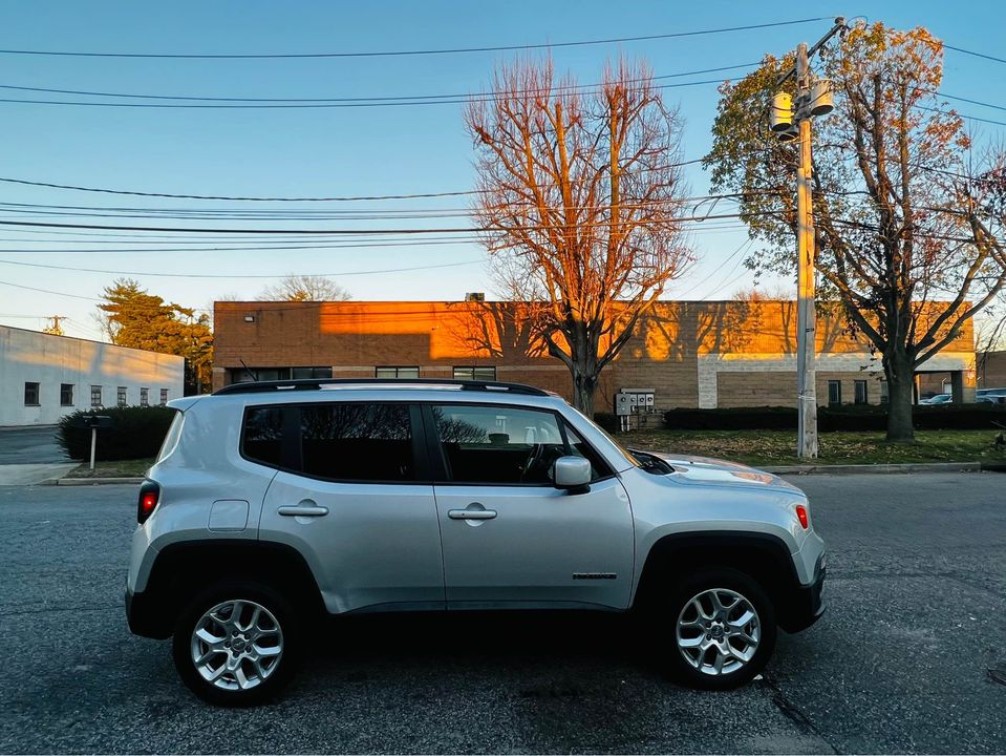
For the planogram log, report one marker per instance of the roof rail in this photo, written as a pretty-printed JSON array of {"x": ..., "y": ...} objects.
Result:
[{"x": 315, "y": 384}]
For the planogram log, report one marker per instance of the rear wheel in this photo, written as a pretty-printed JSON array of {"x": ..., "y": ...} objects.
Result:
[
  {"x": 716, "y": 629},
  {"x": 234, "y": 644}
]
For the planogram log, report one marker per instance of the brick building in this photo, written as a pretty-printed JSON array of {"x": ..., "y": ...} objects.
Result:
[{"x": 692, "y": 354}]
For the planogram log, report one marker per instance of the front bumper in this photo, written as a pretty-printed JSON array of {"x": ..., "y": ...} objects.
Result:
[{"x": 804, "y": 605}]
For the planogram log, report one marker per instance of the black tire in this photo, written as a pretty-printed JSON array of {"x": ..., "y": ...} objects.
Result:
[
  {"x": 675, "y": 624},
  {"x": 263, "y": 653}
]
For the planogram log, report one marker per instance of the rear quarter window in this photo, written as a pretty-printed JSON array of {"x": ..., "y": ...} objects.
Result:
[{"x": 171, "y": 439}]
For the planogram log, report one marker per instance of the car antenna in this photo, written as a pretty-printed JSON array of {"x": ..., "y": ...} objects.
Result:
[{"x": 248, "y": 370}]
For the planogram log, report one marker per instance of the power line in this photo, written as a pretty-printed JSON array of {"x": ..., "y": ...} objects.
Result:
[
  {"x": 404, "y": 53},
  {"x": 343, "y": 274},
  {"x": 387, "y": 99},
  {"x": 358, "y": 198},
  {"x": 295, "y": 106},
  {"x": 975, "y": 54},
  {"x": 323, "y": 232}
]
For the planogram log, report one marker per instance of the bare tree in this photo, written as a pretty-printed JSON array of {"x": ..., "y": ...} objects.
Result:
[
  {"x": 900, "y": 243},
  {"x": 580, "y": 197},
  {"x": 301, "y": 288}
]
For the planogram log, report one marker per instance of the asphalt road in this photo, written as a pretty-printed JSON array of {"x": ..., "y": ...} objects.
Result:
[
  {"x": 911, "y": 657},
  {"x": 31, "y": 444}
]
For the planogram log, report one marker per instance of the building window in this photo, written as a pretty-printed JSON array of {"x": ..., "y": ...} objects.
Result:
[
  {"x": 861, "y": 393},
  {"x": 96, "y": 396},
  {"x": 244, "y": 375},
  {"x": 834, "y": 393},
  {"x": 310, "y": 372},
  {"x": 884, "y": 398},
  {"x": 481, "y": 373},
  {"x": 144, "y": 397},
  {"x": 66, "y": 394},
  {"x": 396, "y": 372},
  {"x": 164, "y": 397},
  {"x": 31, "y": 394},
  {"x": 120, "y": 398}
]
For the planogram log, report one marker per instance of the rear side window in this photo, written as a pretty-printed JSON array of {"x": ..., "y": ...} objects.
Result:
[
  {"x": 261, "y": 437},
  {"x": 357, "y": 442}
]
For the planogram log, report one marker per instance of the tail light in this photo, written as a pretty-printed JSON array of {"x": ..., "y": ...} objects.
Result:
[
  {"x": 150, "y": 497},
  {"x": 803, "y": 516}
]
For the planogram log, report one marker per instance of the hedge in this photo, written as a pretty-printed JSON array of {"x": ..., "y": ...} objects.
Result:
[
  {"x": 860, "y": 417},
  {"x": 135, "y": 433}
]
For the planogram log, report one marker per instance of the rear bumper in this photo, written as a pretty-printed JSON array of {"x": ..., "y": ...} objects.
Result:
[
  {"x": 804, "y": 605},
  {"x": 146, "y": 617}
]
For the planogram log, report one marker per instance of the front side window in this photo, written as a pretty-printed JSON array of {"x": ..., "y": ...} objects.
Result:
[
  {"x": 164, "y": 397},
  {"x": 144, "y": 397},
  {"x": 498, "y": 445},
  {"x": 31, "y": 394},
  {"x": 66, "y": 394},
  {"x": 357, "y": 442},
  {"x": 476, "y": 373},
  {"x": 96, "y": 396},
  {"x": 121, "y": 396}
]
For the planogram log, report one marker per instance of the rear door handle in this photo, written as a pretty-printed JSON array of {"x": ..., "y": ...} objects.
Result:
[
  {"x": 296, "y": 510},
  {"x": 471, "y": 514}
]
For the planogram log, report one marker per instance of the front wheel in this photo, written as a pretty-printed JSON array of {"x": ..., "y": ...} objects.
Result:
[
  {"x": 717, "y": 629},
  {"x": 233, "y": 645}
]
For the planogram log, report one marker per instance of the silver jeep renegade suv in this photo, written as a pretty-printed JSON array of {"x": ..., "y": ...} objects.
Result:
[{"x": 273, "y": 505}]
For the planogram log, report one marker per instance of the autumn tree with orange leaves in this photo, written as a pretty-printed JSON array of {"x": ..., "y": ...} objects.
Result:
[
  {"x": 906, "y": 239},
  {"x": 579, "y": 199}
]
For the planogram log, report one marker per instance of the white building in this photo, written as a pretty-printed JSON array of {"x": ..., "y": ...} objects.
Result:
[{"x": 43, "y": 377}]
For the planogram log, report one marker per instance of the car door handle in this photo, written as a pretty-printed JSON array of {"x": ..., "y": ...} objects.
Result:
[
  {"x": 296, "y": 510},
  {"x": 471, "y": 514}
]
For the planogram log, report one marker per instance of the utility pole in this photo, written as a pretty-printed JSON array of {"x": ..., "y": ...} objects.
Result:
[
  {"x": 53, "y": 328},
  {"x": 791, "y": 119},
  {"x": 806, "y": 316}
]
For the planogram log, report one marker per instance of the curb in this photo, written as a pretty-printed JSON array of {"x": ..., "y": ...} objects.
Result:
[
  {"x": 97, "y": 481},
  {"x": 920, "y": 467}
]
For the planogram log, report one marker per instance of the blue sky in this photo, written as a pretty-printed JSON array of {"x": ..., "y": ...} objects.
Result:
[{"x": 343, "y": 151}]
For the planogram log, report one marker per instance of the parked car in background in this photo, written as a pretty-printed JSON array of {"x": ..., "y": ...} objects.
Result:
[{"x": 938, "y": 399}]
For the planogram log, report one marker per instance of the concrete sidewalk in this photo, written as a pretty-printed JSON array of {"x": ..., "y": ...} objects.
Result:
[{"x": 30, "y": 475}]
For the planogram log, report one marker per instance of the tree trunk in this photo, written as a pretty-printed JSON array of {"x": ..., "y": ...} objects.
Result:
[
  {"x": 584, "y": 384},
  {"x": 900, "y": 374}
]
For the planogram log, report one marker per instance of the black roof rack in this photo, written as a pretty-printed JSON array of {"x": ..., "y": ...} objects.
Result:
[{"x": 315, "y": 384}]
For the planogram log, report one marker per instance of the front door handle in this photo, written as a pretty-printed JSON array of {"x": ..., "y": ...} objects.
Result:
[
  {"x": 471, "y": 514},
  {"x": 297, "y": 510}
]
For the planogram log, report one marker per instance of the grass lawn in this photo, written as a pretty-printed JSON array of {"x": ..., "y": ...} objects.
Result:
[
  {"x": 125, "y": 468},
  {"x": 841, "y": 448}
]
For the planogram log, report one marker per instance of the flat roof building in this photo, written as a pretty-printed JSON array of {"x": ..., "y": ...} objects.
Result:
[
  {"x": 44, "y": 377},
  {"x": 690, "y": 354}
]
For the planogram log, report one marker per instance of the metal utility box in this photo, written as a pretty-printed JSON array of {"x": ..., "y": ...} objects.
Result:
[{"x": 635, "y": 401}]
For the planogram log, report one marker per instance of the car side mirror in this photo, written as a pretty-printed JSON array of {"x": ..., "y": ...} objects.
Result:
[{"x": 573, "y": 474}]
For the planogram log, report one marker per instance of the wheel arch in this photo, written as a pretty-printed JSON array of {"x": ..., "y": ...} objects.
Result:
[
  {"x": 183, "y": 570},
  {"x": 762, "y": 556}
]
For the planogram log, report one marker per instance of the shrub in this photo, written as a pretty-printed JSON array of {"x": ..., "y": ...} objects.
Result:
[
  {"x": 607, "y": 420},
  {"x": 849, "y": 417},
  {"x": 134, "y": 433}
]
